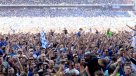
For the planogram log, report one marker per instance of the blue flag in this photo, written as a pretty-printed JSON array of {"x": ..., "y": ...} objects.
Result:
[
  {"x": 43, "y": 40},
  {"x": 79, "y": 34}
]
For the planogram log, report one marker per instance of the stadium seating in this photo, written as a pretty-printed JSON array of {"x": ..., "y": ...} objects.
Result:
[
  {"x": 56, "y": 12},
  {"x": 64, "y": 1}
]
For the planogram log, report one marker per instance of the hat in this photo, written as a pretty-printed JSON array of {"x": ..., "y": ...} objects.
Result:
[{"x": 87, "y": 53}]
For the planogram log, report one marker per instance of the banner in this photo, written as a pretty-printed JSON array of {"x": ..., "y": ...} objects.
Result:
[{"x": 43, "y": 40}]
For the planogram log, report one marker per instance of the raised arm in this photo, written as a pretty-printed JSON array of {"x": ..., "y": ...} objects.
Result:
[
  {"x": 130, "y": 27},
  {"x": 115, "y": 71},
  {"x": 133, "y": 61},
  {"x": 20, "y": 65},
  {"x": 87, "y": 71}
]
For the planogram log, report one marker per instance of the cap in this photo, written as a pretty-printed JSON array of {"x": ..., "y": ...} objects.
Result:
[{"x": 87, "y": 53}]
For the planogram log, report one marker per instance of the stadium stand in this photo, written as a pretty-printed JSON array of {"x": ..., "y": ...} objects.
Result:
[{"x": 65, "y": 1}]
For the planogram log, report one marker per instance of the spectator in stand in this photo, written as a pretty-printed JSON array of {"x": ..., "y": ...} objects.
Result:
[{"x": 91, "y": 54}]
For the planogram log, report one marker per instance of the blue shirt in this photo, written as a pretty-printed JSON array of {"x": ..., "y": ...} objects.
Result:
[
  {"x": 79, "y": 34},
  {"x": 12, "y": 54},
  {"x": 15, "y": 47},
  {"x": 37, "y": 53},
  {"x": 30, "y": 73},
  {"x": 1, "y": 52},
  {"x": 3, "y": 43}
]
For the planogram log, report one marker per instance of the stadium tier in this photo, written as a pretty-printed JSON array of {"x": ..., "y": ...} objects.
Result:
[
  {"x": 65, "y": 1},
  {"x": 65, "y": 11}
]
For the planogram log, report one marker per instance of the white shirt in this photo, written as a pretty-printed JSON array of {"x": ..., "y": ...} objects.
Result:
[{"x": 72, "y": 71}]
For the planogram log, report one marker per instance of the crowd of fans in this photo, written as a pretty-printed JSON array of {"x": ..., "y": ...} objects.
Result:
[
  {"x": 64, "y": 11},
  {"x": 68, "y": 54},
  {"x": 65, "y": 1}
]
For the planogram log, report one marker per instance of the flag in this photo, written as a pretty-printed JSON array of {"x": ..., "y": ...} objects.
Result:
[
  {"x": 43, "y": 40},
  {"x": 109, "y": 34}
]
